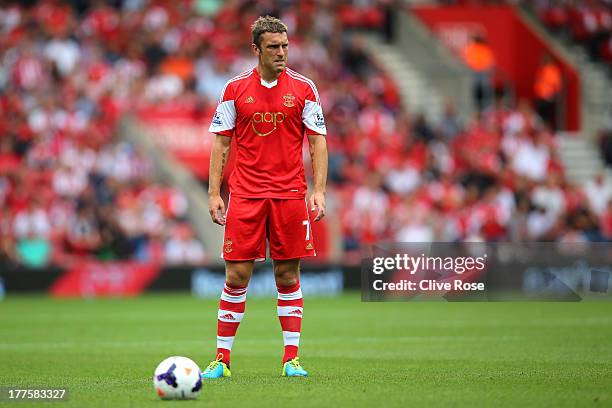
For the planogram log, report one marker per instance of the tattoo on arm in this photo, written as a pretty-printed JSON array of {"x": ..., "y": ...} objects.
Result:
[
  {"x": 218, "y": 160},
  {"x": 312, "y": 154},
  {"x": 224, "y": 159}
]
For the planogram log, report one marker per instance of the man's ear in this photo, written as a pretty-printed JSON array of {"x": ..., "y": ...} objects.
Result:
[{"x": 256, "y": 49}]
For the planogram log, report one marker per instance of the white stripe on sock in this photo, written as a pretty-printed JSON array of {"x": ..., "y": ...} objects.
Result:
[
  {"x": 291, "y": 338},
  {"x": 225, "y": 342},
  {"x": 291, "y": 296},
  {"x": 293, "y": 311},
  {"x": 234, "y": 291},
  {"x": 229, "y": 316},
  {"x": 233, "y": 299}
]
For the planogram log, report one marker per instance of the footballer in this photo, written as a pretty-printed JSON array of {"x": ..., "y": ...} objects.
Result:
[{"x": 268, "y": 110}]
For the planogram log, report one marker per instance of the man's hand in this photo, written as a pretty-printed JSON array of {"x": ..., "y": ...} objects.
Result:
[
  {"x": 317, "y": 202},
  {"x": 216, "y": 208}
]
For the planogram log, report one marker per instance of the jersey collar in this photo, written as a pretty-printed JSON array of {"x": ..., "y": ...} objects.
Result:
[{"x": 272, "y": 84}]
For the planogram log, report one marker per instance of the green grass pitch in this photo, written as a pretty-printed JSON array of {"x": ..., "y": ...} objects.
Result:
[{"x": 358, "y": 354}]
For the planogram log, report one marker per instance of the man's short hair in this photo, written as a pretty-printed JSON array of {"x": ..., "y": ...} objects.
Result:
[{"x": 267, "y": 24}]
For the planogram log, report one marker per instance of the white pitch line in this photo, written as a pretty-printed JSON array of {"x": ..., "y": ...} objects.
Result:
[{"x": 275, "y": 339}]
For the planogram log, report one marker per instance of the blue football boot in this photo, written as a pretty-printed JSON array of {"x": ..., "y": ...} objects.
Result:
[
  {"x": 292, "y": 368},
  {"x": 217, "y": 369}
]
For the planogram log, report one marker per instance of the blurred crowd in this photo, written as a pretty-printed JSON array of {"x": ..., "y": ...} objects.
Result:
[
  {"x": 69, "y": 188},
  {"x": 588, "y": 22},
  {"x": 496, "y": 178}
]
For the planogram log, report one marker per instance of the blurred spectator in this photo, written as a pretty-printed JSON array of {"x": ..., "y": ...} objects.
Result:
[
  {"x": 179, "y": 64},
  {"x": 403, "y": 178},
  {"x": 365, "y": 218},
  {"x": 606, "y": 222},
  {"x": 531, "y": 157},
  {"x": 82, "y": 235},
  {"x": 7, "y": 250},
  {"x": 114, "y": 244},
  {"x": 69, "y": 182},
  {"x": 518, "y": 225},
  {"x": 581, "y": 226},
  {"x": 9, "y": 161},
  {"x": 416, "y": 228},
  {"x": 354, "y": 57},
  {"x": 32, "y": 221},
  {"x": 539, "y": 223},
  {"x": 421, "y": 129},
  {"x": 479, "y": 57},
  {"x": 598, "y": 193},
  {"x": 33, "y": 251},
  {"x": 450, "y": 124},
  {"x": 549, "y": 196},
  {"x": 211, "y": 76},
  {"x": 32, "y": 229},
  {"x": 63, "y": 52},
  {"x": 605, "y": 146},
  {"x": 547, "y": 89},
  {"x": 182, "y": 247},
  {"x": 389, "y": 27},
  {"x": 163, "y": 86}
]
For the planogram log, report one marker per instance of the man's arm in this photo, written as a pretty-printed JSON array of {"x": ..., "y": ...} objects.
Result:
[
  {"x": 318, "y": 156},
  {"x": 218, "y": 159}
]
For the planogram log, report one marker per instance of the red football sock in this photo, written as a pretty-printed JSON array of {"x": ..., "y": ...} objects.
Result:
[
  {"x": 231, "y": 311},
  {"x": 290, "y": 307}
]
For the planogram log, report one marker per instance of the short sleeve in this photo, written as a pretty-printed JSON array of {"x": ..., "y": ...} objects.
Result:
[
  {"x": 312, "y": 115},
  {"x": 224, "y": 119}
]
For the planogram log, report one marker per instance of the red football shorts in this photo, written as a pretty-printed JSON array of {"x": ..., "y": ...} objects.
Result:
[{"x": 285, "y": 224}]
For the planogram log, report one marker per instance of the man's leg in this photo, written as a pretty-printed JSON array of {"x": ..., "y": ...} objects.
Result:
[
  {"x": 244, "y": 240},
  {"x": 290, "y": 240},
  {"x": 232, "y": 305},
  {"x": 229, "y": 316},
  {"x": 289, "y": 304}
]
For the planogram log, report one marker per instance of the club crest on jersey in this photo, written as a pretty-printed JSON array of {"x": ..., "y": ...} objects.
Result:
[
  {"x": 249, "y": 99},
  {"x": 264, "y": 123},
  {"x": 289, "y": 100}
]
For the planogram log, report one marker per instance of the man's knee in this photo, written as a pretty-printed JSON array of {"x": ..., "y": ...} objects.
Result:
[
  {"x": 238, "y": 273},
  {"x": 287, "y": 273}
]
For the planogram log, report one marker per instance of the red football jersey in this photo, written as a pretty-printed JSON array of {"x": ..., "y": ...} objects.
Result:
[{"x": 269, "y": 122}]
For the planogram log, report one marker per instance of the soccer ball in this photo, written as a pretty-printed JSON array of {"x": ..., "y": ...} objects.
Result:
[{"x": 177, "y": 378}]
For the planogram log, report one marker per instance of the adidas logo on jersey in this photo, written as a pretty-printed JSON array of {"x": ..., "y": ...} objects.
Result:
[{"x": 249, "y": 99}]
